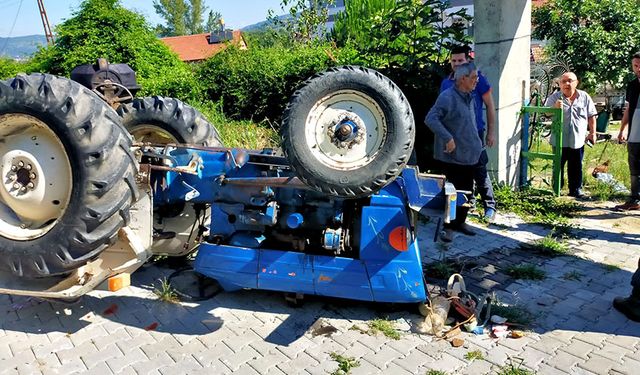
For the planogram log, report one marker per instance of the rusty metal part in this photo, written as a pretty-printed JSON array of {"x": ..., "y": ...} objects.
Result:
[{"x": 292, "y": 182}]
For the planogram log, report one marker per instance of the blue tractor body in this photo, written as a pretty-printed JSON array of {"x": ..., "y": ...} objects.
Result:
[{"x": 269, "y": 231}]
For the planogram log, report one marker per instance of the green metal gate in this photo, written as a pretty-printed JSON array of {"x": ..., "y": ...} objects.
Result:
[{"x": 534, "y": 138}]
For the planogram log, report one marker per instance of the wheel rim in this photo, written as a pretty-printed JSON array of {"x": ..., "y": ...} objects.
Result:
[
  {"x": 151, "y": 134},
  {"x": 36, "y": 177},
  {"x": 345, "y": 130}
]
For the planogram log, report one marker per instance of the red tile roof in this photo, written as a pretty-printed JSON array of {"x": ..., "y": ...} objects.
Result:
[{"x": 196, "y": 47}]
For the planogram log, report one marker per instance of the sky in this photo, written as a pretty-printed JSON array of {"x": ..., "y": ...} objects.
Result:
[{"x": 236, "y": 13}]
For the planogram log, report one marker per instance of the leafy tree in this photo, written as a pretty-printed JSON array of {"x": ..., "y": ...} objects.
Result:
[
  {"x": 103, "y": 28},
  {"x": 214, "y": 21},
  {"x": 596, "y": 36},
  {"x": 185, "y": 17},
  {"x": 354, "y": 23},
  {"x": 306, "y": 21},
  {"x": 175, "y": 14},
  {"x": 408, "y": 40}
]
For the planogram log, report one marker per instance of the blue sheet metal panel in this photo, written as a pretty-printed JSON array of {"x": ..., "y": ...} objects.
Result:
[
  {"x": 286, "y": 271},
  {"x": 400, "y": 280},
  {"x": 376, "y": 227},
  {"x": 341, "y": 277},
  {"x": 234, "y": 267}
]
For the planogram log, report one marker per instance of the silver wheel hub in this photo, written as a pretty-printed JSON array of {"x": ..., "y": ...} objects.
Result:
[
  {"x": 345, "y": 130},
  {"x": 35, "y": 177}
]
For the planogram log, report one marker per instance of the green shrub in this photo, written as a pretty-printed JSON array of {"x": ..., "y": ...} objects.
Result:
[
  {"x": 103, "y": 28},
  {"x": 257, "y": 83},
  {"x": 9, "y": 68}
]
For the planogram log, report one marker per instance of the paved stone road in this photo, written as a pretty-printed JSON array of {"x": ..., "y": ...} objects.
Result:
[{"x": 254, "y": 332}]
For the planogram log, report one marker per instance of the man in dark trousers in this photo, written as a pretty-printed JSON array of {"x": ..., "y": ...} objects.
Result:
[
  {"x": 632, "y": 117},
  {"x": 457, "y": 146},
  {"x": 578, "y": 126},
  {"x": 482, "y": 97},
  {"x": 630, "y": 306}
]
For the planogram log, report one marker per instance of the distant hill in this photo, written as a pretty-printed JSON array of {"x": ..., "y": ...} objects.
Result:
[{"x": 21, "y": 47}]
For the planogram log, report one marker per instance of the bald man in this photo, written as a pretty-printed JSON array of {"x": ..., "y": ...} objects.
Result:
[{"x": 579, "y": 126}]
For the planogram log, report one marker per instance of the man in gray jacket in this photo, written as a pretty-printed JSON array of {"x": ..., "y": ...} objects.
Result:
[{"x": 457, "y": 146}]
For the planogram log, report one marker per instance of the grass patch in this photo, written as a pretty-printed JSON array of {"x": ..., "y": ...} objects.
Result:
[
  {"x": 439, "y": 270},
  {"x": 610, "y": 267},
  {"x": 537, "y": 206},
  {"x": 618, "y": 166},
  {"x": 244, "y": 134},
  {"x": 345, "y": 364},
  {"x": 165, "y": 292},
  {"x": 474, "y": 354},
  {"x": 549, "y": 245},
  {"x": 384, "y": 326},
  {"x": 526, "y": 272},
  {"x": 514, "y": 369},
  {"x": 573, "y": 275},
  {"x": 513, "y": 314}
]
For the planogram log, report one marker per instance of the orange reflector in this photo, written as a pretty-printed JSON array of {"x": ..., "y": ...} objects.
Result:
[
  {"x": 398, "y": 239},
  {"x": 118, "y": 282}
]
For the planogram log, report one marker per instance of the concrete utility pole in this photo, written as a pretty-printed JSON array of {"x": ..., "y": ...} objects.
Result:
[
  {"x": 502, "y": 38},
  {"x": 45, "y": 23}
]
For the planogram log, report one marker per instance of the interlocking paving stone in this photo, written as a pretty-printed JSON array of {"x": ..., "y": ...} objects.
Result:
[
  {"x": 477, "y": 367},
  {"x": 628, "y": 366},
  {"x": 579, "y": 349},
  {"x": 152, "y": 367},
  {"x": 598, "y": 364},
  {"x": 564, "y": 361}
]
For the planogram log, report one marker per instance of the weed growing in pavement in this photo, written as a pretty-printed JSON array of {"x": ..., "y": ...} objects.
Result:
[
  {"x": 384, "y": 326},
  {"x": 513, "y": 313},
  {"x": 573, "y": 275},
  {"x": 526, "y": 272},
  {"x": 345, "y": 364},
  {"x": 536, "y": 206},
  {"x": 439, "y": 270},
  {"x": 514, "y": 369},
  {"x": 474, "y": 354},
  {"x": 436, "y": 372},
  {"x": 610, "y": 267},
  {"x": 165, "y": 292},
  {"x": 549, "y": 245}
]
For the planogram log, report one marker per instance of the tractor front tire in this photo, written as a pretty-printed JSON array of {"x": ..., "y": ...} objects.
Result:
[
  {"x": 67, "y": 175},
  {"x": 348, "y": 132}
]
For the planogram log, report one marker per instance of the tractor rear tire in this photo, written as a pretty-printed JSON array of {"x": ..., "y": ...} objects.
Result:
[
  {"x": 167, "y": 120},
  {"x": 68, "y": 175},
  {"x": 348, "y": 132}
]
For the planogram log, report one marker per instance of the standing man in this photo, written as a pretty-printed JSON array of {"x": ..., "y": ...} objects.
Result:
[
  {"x": 630, "y": 306},
  {"x": 482, "y": 97},
  {"x": 579, "y": 125},
  {"x": 457, "y": 146},
  {"x": 632, "y": 117}
]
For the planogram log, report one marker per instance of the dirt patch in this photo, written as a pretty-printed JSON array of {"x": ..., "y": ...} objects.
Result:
[{"x": 603, "y": 215}]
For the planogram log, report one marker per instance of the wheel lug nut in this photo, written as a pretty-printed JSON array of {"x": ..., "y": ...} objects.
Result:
[
  {"x": 14, "y": 168},
  {"x": 13, "y": 177},
  {"x": 32, "y": 176},
  {"x": 24, "y": 188},
  {"x": 21, "y": 164},
  {"x": 30, "y": 185},
  {"x": 29, "y": 167},
  {"x": 16, "y": 186}
]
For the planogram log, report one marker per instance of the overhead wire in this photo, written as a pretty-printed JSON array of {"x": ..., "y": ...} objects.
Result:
[{"x": 13, "y": 25}]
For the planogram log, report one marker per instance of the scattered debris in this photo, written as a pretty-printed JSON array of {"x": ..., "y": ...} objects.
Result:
[
  {"x": 110, "y": 310},
  {"x": 457, "y": 342},
  {"x": 152, "y": 326},
  {"x": 322, "y": 328}
]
